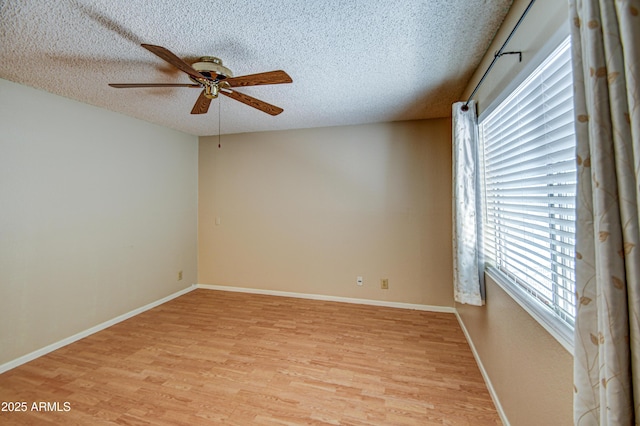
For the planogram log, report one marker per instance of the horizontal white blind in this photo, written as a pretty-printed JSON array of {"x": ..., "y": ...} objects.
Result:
[{"x": 530, "y": 185}]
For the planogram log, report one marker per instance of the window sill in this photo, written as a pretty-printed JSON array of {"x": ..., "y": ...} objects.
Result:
[{"x": 561, "y": 332}]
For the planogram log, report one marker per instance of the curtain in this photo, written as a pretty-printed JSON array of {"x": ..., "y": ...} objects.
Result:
[
  {"x": 466, "y": 258},
  {"x": 606, "y": 60}
]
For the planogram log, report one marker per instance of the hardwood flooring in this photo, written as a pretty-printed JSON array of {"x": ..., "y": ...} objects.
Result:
[{"x": 212, "y": 357}]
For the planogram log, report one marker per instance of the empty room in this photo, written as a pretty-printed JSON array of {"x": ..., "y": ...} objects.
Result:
[{"x": 366, "y": 213}]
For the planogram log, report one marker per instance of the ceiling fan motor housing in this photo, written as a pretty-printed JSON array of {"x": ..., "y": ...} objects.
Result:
[{"x": 212, "y": 67}]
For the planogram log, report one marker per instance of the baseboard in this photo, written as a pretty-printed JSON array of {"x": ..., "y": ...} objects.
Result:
[
  {"x": 372, "y": 302},
  {"x": 64, "y": 342},
  {"x": 485, "y": 375}
]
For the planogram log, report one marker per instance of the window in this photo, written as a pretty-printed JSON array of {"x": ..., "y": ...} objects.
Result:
[{"x": 529, "y": 189}]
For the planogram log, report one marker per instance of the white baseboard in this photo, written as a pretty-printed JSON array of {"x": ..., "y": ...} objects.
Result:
[
  {"x": 384, "y": 303},
  {"x": 485, "y": 375},
  {"x": 64, "y": 342}
]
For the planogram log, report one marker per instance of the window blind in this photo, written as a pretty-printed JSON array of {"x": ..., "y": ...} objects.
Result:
[{"x": 529, "y": 182}]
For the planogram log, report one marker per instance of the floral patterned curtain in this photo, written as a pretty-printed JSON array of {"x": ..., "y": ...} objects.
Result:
[
  {"x": 466, "y": 270},
  {"x": 606, "y": 61}
]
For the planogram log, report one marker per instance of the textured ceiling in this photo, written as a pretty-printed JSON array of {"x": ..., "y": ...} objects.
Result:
[{"x": 352, "y": 62}]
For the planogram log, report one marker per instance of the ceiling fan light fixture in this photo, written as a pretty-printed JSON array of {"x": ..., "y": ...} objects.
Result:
[
  {"x": 211, "y": 91},
  {"x": 211, "y": 66}
]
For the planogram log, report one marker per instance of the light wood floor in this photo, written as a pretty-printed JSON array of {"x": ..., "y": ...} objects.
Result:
[{"x": 213, "y": 357}]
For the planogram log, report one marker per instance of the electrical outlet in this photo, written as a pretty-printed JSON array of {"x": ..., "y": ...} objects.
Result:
[
  {"x": 359, "y": 281},
  {"x": 384, "y": 284},
  {"x": 179, "y": 275}
]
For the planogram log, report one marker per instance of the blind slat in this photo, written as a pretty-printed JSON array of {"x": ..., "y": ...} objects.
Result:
[
  {"x": 564, "y": 228},
  {"x": 531, "y": 234},
  {"x": 552, "y": 152},
  {"x": 519, "y": 171},
  {"x": 550, "y": 209},
  {"x": 555, "y": 111}
]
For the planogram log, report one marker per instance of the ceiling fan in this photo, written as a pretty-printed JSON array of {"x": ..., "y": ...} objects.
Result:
[{"x": 213, "y": 78}]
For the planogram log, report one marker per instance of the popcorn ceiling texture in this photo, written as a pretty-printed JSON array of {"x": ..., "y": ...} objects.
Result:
[{"x": 352, "y": 62}]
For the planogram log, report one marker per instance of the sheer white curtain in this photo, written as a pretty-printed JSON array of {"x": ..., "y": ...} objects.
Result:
[
  {"x": 606, "y": 59},
  {"x": 466, "y": 256}
]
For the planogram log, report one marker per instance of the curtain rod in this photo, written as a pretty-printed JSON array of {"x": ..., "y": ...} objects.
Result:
[{"x": 500, "y": 52}]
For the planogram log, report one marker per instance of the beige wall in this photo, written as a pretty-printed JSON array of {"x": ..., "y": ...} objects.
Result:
[
  {"x": 98, "y": 215},
  {"x": 309, "y": 210},
  {"x": 529, "y": 370}
]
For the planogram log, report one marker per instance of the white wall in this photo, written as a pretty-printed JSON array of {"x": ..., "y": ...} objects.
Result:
[{"x": 98, "y": 213}]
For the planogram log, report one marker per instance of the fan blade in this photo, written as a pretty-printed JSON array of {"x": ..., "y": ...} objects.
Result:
[
  {"x": 127, "y": 86},
  {"x": 202, "y": 104},
  {"x": 270, "y": 77},
  {"x": 253, "y": 102},
  {"x": 173, "y": 60}
]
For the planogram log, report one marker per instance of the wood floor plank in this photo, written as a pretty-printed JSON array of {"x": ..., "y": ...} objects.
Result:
[{"x": 212, "y": 357}]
